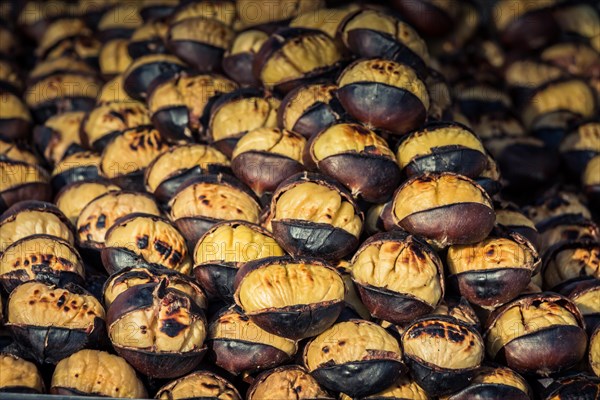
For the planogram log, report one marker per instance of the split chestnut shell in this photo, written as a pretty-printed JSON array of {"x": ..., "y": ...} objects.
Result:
[
  {"x": 494, "y": 382},
  {"x": 280, "y": 382},
  {"x": 199, "y": 385},
  {"x": 19, "y": 376}
]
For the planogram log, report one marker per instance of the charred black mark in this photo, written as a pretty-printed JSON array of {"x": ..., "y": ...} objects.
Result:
[
  {"x": 101, "y": 223},
  {"x": 455, "y": 337},
  {"x": 175, "y": 258},
  {"x": 210, "y": 385},
  {"x": 171, "y": 327},
  {"x": 163, "y": 248},
  {"x": 325, "y": 349},
  {"x": 142, "y": 242},
  {"x": 61, "y": 300}
]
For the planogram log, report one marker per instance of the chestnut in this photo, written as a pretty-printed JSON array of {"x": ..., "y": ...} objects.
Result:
[
  {"x": 96, "y": 373},
  {"x": 577, "y": 57},
  {"x": 442, "y": 353},
  {"x": 236, "y": 113},
  {"x": 167, "y": 172},
  {"x": 156, "y": 10},
  {"x": 545, "y": 210},
  {"x": 40, "y": 257},
  {"x": 114, "y": 92},
  {"x": 540, "y": 333},
  {"x": 19, "y": 376},
  {"x": 100, "y": 214},
  {"x": 580, "y": 146},
  {"x": 377, "y": 33},
  {"x": 439, "y": 96},
  {"x": 86, "y": 48},
  {"x": 312, "y": 215},
  {"x": 354, "y": 307},
  {"x": 573, "y": 386},
  {"x": 144, "y": 71},
  {"x": 591, "y": 182},
  {"x": 59, "y": 136},
  {"x": 50, "y": 322},
  {"x": 148, "y": 39},
  {"x": 109, "y": 119},
  {"x": 223, "y": 11},
  {"x": 72, "y": 198},
  {"x": 198, "y": 385},
  {"x": 493, "y": 271},
  {"x": 31, "y": 217},
  {"x": 280, "y": 383},
  {"x": 403, "y": 388},
  {"x": 239, "y": 58},
  {"x": 114, "y": 57},
  {"x": 75, "y": 167},
  {"x": 286, "y": 308},
  {"x": 295, "y": 56},
  {"x": 445, "y": 208},
  {"x": 327, "y": 20},
  {"x": 569, "y": 260},
  {"x": 224, "y": 248},
  {"x": 522, "y": 76},
  {"x": 179, "y": 106},
  {"x": 207, "y": 199},
  {"x": 553, "y": 126},
  {"x": 125, "y": 158},
  {"x": 431, "y": 18},
  {"x": 460, "y": 309},
  {"x": 265, "y": 157},
  {"x": 58, "y": 30},
  {"x": 356, "y": 157},
  {"x": 356, "y": 357},
  {"x": 510, "y": 217},
  {"x": 477, "y": 100},
  {"x": 238, "y": 345},
  {"x": 401, "y": 97},
  {"x": 142, "y": 273},
  {"x": 373, "y": 219},
  {"x": 585, "y": 293},
  {"x": 309, "y": 109},
  {"x": 568, "y": 228},
  {"x": 15, "y": 118},
  {"x": 200, "y": 42},
  {"x": 17, "y": 151},
  {"x": 157, "y": 329},
  {"x": 495, "y": 382},
  {"x": 442, "y": 147},
  {"x": 119, "y": 22},
  {"x": 594, "y": 351},
  {"x": 253, "y": 12},
  {"x": 21, "y": 181},
  {"x": 399, "y": 277},
  {"x": 62, "y": 92}
]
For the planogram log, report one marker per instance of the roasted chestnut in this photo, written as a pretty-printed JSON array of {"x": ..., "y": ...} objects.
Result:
[
  {"x": 494, "y": 271},
  {"x": 114, "y": 57},
  {"x": 539, "y": 333},
  {"x": 594, "y": 351},
  {"x": 119, "y": 21},
  {"x": 354, "y": 307},
  {"x": 100, "y": 214},
  {"x": 579, "y": 147},
  {"x": 445, "y": 208},
  {"x": 356, "y": 157},
  {"x": 459, "y": 309},
  {"x": 403, "y": 388},
  {"x": 312, "y": 215},
  {"x": 490, "y": 179},
  {"x": 591, "y": 182},
  {"x": 144, "y": 273},
  {"x": 107, "y": 120},
  {"x": 19, "y": 376},
  {"x": 224, "y": 248},
  {"x": 126, "y": 156},
  {"x": 86, "y": 48},
  {"x": 200, "y": 42},
  {"x": 40, "y": 257},
  {"x": 569, "y": 260},
  {"x": 76, "y": 167},
  {"x": 208, "y": 199},
  {"x": 568, "y": 228},
  {"x": 265, "y": 157},
  {"x": 294, "y": 56},
  {"x": 158, "y": 329},
  {"x": 585, "y": 293},
  {"x": 59, "y": 30},
  {"x": 198, "y": 385},
  {"x": 235, "y": 114},
  {"x": 442, "y": 353},
  {"x": 283, "y": 382},
  {"x": 401, "y": 98},
  {"x": 524, "y": 75},
  {"x": 432, "y": 18},
  {"x": 22, "y": 181},
  {"x": 494, "y": 382},
  {"x": 356, "y": 357},
  {"x": 59, "y": 136},
  {"x": 72, "y": 198},
  {"x": 96, "y": 373},
  {"x": 300, "y": 297},
  {"x": 157, "y": 9},
  {"x": 167, "y": 172},
  {"x": 144, "y": 71},
  {"x": 64, "y": 64},
  {"x": 577, "y": 386},
  {"x": 30, "y": 217},
  {"x": 552, "y": 127},
  {"x": 327, "y": 20},
  {"x": 399, "y": 277},
  {"x": 238, "y": 345},
  {"x": 17, "y": 151},
  {"x": 508, "y": 216},
  {"x": 239, "y": 58},
  {"x": 148, "y": 39},
  {"x": 442, "y": 147},
  {"x": 377, "y": 33},
  {"x": 114, "y": 92},
  {"x": 15, "y": 119},
  {"x": 223, "y": 11},
  {"x": 50, "y": 323},
  {"x": 178, "y": 105},
  {"x": 546, "y": 209}
]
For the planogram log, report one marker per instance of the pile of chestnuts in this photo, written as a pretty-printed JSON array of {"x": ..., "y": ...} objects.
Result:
[{"x": 300, "y": 199}]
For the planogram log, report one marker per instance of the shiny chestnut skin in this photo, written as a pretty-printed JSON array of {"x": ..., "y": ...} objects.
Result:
[
  {"x": 198, "y": 385},
  {"x": 225, "y": 248},
  {"x": 510, "y": 217},
  {"x": 461, "y": 213},
  {"x": 148, "y": 39},
  {"x": 278, "y": 382},
  {"x": 238, "y": 345},
  {"x": 22, "y": 181},
  {"x": 19, "y": 376},
  {"x": 442, "y": 353},
  {"x": 399, "y": 276},
  {"x": 289, "y": 309},
  {"x": 495, "y": 382},
  {"x": 356, "y": 157},
  {"x": 47, "y": 323},
  {"x": 433, "y": 19},
  {"x": 545, "y": 335},
  {"x": 402, "y": 98},
  {"x": 76, "y": 167},
  {"x": 96, "y": 373},
  {"x": 356, "y": 357},
  {"x": 15, "y": 118},
  {"x": 239, "y": 58},
  {"x": 577, "y": 386},
  {"x": 141, "y": 73},
  {"x": 176, "y": 345},
  {"x": 302, "y": 232}
]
